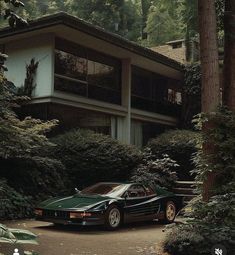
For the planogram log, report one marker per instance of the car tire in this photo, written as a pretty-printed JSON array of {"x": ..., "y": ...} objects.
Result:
[
  {"x": 113, "y": 218},
  {"x": 169, "y": 213}
]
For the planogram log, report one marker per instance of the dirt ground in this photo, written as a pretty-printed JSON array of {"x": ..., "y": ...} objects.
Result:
[{"x": 138, "y": 238}]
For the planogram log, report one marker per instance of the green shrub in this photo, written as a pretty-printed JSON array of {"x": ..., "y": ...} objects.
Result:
[
  {"x": 183, "y": 240},
  {"x": 210, "y": 224},
  {"x": 179, "y": 145},
  {"x": 222, "y": 160},
  {"x": 156, "y": 171},
  {"x": 38, "y": 178},
  {"x": 13, "y": 205},
  {"x": 22, "y": 141},
  {"x": 90, "y": 157}
]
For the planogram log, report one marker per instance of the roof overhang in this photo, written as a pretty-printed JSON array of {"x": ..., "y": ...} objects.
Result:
[{"x": 70, "y": 27}]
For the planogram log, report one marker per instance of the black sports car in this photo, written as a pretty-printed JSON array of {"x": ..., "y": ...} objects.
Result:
[{"x": 111, "y": 204}]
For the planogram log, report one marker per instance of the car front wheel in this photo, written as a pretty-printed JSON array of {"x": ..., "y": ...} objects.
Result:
[
  {"x": 170, "y": 212},
  {"x": 113, "y": 218}
]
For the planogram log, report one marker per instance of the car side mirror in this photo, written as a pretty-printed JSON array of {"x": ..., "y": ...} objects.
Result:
[{"x": 77, "y": 190}]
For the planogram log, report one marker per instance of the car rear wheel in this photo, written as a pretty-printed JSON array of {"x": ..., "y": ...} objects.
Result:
[
  {"x": 113, "y": 217},
  {"x": 170, "y": 212}
]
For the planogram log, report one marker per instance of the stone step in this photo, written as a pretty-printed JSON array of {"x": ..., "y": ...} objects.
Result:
[
  {"x": 184, "y": 191},
  {"x": 186, "y": 198},
  {"x": 186, "y": 184}
]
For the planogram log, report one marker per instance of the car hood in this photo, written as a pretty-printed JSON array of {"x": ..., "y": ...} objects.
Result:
[{"x": 72, "y": 202}]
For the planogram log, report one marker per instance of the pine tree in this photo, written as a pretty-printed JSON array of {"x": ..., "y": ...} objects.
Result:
[{"x": 164, "y": 22}]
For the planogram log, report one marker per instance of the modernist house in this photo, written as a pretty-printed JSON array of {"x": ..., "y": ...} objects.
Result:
[{"x": 91, "y": 78}]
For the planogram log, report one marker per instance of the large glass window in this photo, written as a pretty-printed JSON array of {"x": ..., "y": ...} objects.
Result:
[
  {"x": 87, "y": 73},
  {"x": 101, "y": 75},
  {"x": 154, "y": 93},
  {"x": 69, "y": 65}
]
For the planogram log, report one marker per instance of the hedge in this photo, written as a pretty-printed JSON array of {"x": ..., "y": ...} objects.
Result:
[
  {"x": 13, "y": 205},
  {"x": 179, "y": 145},
  {"x": 39, "y": 178},
  {"x": 90, "y": 157}
]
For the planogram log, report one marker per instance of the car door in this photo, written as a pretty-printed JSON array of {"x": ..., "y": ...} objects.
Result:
[{"x": 138, "y": 204}]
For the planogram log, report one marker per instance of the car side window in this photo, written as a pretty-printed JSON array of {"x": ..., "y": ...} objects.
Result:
[
  {"x": 149, "y": 191},
  {"x": 136, "y": 191}
]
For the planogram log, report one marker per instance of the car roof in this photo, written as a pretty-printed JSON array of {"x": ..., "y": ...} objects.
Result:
[
  {"x": 114, "y": 183},
  {"x": 120, "y": 183}
]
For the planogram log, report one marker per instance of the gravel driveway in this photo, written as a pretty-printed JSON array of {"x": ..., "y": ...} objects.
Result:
[{"x": 139, "y": 238}]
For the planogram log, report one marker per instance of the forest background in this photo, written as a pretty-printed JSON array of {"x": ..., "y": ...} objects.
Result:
[{"x": 147, "y": 22}]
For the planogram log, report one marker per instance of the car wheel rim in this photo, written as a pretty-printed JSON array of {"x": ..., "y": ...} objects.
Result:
[
  {"x": 114, "y": 217},
  {"x": 170, "y": 212}
]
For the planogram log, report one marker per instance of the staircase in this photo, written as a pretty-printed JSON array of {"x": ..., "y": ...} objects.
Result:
[{"x": 185, "y": 189}]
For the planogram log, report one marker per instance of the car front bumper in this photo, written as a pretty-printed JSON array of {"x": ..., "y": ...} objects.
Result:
[{"x": 97, "y": 219}]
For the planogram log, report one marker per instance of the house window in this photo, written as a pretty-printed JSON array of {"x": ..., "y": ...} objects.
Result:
[
  {"x": 87, "y": 73},
  {"x": 155, "y": 93},
  {"x": 71, "y": 66},
  {"x": 141, "y": 84},
  {"x": 174, "y": 96}
]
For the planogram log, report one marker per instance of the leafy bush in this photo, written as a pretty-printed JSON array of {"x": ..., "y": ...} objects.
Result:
[
  {"x": 156, "y": 171},
  {"x": 221, "y": 160},
  {"x": 183, "y": 240},
  {"x": 34, "y": 177},
  {"x": 23, "y": 165},
  {"x": 212, "y": 224},
  {"x": 13, "y": 205},
  {"x": 90, "y": 157},
  {"x": 179, "y": 145}
]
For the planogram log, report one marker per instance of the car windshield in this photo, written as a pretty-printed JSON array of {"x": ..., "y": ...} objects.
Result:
[{"x": 107, "y": 189}]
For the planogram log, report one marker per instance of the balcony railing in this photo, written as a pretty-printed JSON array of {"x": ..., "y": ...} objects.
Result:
[
  {"x": 162, "y": 107},
  {"x": 84, "y": 89}
]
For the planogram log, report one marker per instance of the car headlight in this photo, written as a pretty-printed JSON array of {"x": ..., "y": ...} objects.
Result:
[{"x": 38, "y": 212}]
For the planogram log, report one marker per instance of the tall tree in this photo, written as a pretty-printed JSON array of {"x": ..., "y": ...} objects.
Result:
[
  {"x": 118, "y": 16},
  {"x": 190, "y": 21},
  {"x": 145, "y": 5},
  {"x": 164, "y": 22},
  {"x": 209, "y": 56},
  {"x": 210, "y": 75},
  {"x": 229, "y": 55}
]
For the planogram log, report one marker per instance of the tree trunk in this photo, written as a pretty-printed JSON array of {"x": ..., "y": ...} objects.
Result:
[
  {"x": 209, "y": 56},
  {"x": 210, "y": 74},
  {"x": 229, "y": 55},
  {"x": 144, "y": 12}
]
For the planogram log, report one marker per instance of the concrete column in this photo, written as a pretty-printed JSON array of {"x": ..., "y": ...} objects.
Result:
[{"x": 124, "y": 133}]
